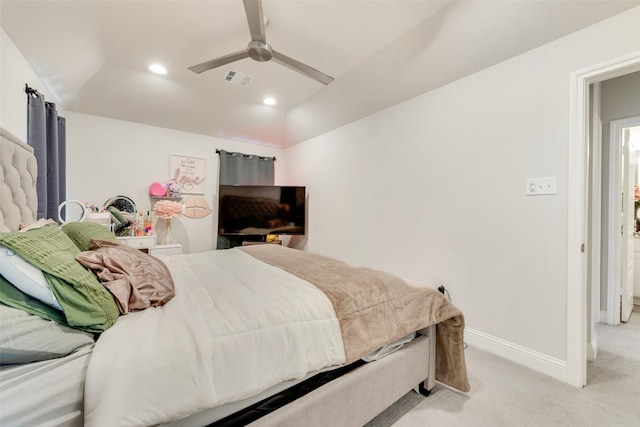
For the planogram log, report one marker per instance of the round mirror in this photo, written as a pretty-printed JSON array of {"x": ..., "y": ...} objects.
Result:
[
  {"x": 122, "y": 203},
  {"x": 71, "y": 211}
]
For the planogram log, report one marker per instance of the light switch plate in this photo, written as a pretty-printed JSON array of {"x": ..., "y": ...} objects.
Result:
[{"x": 541, "y": 186}]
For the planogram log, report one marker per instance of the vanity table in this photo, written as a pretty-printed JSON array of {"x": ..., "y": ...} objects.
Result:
[
  {"x": 168, "y": 249},
  {"x": 148, "y": 244},
  {"x": 139, "y": 242}
]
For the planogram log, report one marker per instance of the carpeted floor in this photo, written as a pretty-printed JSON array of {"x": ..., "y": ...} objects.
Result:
[{"x": 507, "y": 394}]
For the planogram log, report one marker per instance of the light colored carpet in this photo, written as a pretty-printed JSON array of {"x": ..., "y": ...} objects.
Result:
[{"x": 507, "y": 394}]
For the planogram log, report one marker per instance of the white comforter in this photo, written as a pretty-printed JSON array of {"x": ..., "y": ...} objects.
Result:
[{"x": 235, "y": 327}]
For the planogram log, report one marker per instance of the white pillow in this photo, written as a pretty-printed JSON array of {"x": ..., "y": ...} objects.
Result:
[{"x": 26, "y": 277}]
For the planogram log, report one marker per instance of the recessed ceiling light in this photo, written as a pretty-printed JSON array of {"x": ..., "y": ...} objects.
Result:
[
  {"x": 158, "y": 69},
  {"x": 269, "y": 101}
]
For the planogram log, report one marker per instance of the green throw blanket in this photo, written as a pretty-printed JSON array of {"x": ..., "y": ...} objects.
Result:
[{"x": 87, "y": 304}]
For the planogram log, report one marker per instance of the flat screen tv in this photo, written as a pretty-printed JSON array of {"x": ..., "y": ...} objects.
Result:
[{"x": 259, "y": 210}]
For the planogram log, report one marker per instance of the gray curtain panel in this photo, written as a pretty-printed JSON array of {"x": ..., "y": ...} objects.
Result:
[
  {"x": 46, "y": 133},
  {"x": 62, "y": 159},
  {"x": 245, "y": 169}
]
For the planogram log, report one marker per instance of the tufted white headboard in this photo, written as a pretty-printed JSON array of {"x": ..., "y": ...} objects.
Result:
[{"x": 18, "y": 175}]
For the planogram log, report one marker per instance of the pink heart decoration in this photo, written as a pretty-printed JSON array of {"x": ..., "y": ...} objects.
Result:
[{"x": 156, "y": 189}]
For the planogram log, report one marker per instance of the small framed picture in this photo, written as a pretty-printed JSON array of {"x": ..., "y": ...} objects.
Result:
[{"x": 189, "y": 172}]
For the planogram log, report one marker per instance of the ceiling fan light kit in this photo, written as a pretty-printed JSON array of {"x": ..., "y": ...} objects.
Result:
[{"x": 259, "y": 50}]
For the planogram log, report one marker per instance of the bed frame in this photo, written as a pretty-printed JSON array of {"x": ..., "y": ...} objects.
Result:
[
  {"x": 18, "y": 174},
  {"x": 357, "y": 397},
  {"x": 350, "y": 400}
]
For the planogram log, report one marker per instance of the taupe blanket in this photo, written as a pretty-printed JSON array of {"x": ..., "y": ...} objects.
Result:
[{"x": 376, "y": 308}]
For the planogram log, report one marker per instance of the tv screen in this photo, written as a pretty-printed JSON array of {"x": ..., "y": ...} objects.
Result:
[{"x": 261, "y": 210}]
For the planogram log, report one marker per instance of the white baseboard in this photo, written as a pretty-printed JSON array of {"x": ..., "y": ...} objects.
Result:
[
  {"x": 537, "y": 361},
  {"x": 636, "y": 300}
]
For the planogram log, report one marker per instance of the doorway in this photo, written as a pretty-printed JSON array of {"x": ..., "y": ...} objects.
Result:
[
  {"x": 580, "y": 316},
  {"x": 623, "y": 197}
]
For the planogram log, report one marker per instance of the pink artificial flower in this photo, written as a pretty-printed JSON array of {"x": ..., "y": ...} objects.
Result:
[{"x": 167, "y": 209}]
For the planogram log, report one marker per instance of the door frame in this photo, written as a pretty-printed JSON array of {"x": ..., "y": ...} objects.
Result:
[
  {"x": 615, "y": 200},
  {"x": 595, "y": 236},
  {"x": 578, "y": 188}
]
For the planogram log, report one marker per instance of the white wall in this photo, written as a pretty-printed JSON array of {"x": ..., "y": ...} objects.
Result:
[
  {"x": 107, "y": 157},
  {"x": 621, "y": 97},
  {"x": 15, "y": 71},
  {"x": 433, "y": 188}
]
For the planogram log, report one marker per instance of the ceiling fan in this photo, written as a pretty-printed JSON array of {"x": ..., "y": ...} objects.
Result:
[{"x": 261, "y": 51}]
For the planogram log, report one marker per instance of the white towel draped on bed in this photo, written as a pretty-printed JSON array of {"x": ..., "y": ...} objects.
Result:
[{"x": 165, "y": 363}]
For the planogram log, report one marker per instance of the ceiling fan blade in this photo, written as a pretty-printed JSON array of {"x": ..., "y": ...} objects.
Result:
[
  {"x": 253, "y": 9},
  {"x": 215, "y": 63},
  {"x": 302, "y": 68}
]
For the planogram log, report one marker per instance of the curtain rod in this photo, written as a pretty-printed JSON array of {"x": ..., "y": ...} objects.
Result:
[
  {"x": 246, "y": 155},
  {"x": 30, "y": 90}
]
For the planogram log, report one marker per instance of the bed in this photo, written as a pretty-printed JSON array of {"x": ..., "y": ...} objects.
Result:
[{"x": 234, "y": 331}]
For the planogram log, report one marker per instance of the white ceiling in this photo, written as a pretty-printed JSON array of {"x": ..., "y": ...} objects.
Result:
[{"x": 93, "y": 56}]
